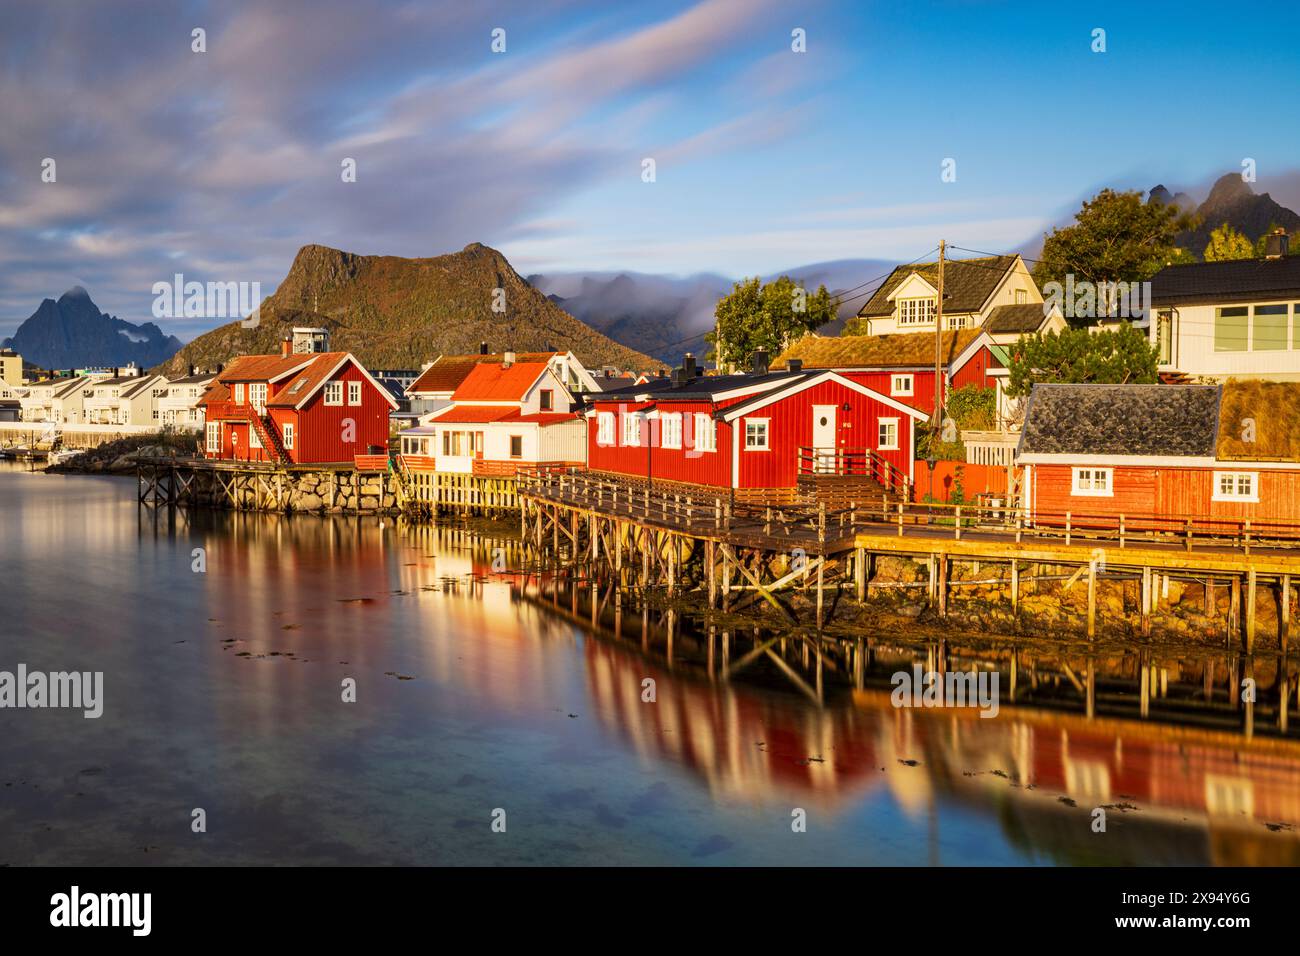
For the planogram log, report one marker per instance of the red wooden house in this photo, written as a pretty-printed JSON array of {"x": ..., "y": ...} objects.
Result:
[
  {"x": 901, "y": 365},
  {"x": 752, "y": 434},
  {"x": 296, "y": 409},
  {"x": 1215, "y": 455}
]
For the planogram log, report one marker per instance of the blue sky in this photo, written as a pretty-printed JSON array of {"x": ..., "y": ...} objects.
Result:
[{"x": 220, "y": 165}]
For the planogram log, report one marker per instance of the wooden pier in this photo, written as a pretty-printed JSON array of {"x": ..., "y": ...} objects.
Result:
[{"x": 735, "y": 554}]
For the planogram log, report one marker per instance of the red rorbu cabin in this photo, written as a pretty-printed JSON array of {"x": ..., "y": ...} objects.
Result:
[
  {"x": 1216, "y": 456},
  {"x": 296, "y": 409},
  {"x": 758, "y": 435}
]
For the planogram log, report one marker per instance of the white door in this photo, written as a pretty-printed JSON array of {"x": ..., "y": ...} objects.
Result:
[{"x": 823, "y": 438}]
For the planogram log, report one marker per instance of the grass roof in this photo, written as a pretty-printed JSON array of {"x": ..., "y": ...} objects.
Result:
[
  {"x": 1259, "y": 421},
  {"x": 901, "y": 350}
]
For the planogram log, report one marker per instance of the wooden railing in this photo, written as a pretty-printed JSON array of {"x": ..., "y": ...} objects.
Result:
[
  {"x": 710, "y": 512},
  {"x": 853, "y": 463},
  {"x": 990, "y": 448}
]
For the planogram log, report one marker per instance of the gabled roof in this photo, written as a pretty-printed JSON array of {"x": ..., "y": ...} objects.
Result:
[
  {"x": 495, "y": 414},
  {"x": 699, "y": 388},
  {"x": 900, "y": 350},
  {"x": 324, "y": 366},
  {"x": 267, "y": 368},
  {"x": 797, "y": 383},
  {"x": 1237, "y": 280},
  {"x": 497, "y": 382},
  {"x": 967, "y": 283},
  {"x": 1025, "y": 318},
  {"x": 197, "y": 379},
  {"x": 1180, "y": 421},
  {"x": 448, "y": 371}
]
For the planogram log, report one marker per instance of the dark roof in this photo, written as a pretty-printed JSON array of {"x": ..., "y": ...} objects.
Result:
[
  {"x": 1167, "y": 420},
  {"x": 1024, "y": 318},
  {"x": 967, "y": 283},
  {"x": 1237, "y": 280},
  {"x": 700, "y": 387},
  {"x": 197, "y": 379}
]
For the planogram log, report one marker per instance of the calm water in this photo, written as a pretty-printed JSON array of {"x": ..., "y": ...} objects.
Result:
[{"x": 222, "y": 692}]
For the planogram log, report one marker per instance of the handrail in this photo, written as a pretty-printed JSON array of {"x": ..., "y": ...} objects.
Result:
[{"x": 860, "y": 462}]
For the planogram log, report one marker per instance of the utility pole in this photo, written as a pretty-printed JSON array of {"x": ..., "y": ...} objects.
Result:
[{"x": 937, "y": 420}]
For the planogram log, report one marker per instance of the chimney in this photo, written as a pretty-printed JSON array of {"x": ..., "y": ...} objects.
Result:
[
  {"x": 482, "y": 348},
  {"x": 688, "y": 366},
  {"x": 794, "y": 366},
  {"x": 1276, "y": 244},
  {"x": 221, "y": 367},
  {"x": 192, "y": 370},
  {"x": 508, "y": 359},
  {"x": 286, "y": 347},
  {"x": 760, "y": 361}
]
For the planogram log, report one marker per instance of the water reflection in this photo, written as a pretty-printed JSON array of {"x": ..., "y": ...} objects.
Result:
[{"x": 486, "y": 682}]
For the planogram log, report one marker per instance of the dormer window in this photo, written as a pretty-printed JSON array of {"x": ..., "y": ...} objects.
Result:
[{"x": 916, "y": 311}]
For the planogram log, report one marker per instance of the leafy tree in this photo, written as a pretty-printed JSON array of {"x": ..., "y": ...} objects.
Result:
[
  {"x": 1110, "y": 356},
  {"x": 968, "y": 407},
  {"x": 1227, "y": 243},
  {"x": 1116, "y": 237},
  {"x": 766, "y": 316}
]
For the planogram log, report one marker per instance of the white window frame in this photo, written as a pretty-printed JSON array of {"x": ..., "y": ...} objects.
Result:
[
  {"x": 288, "y": 435},
  {"x": 213, "y": 437},
  {"x": 333, "y": 393},
  {"x": 1091, "y": 489},
  {"x": 254, "y": 439},
  {"x": 632, "y": 422},
  {"x": 605, "y": 429},
  {"x": 257, "y": 395},
  {"x": 1237, "y": 494},
  {"x": 354, "y": 393},
  {"x": 902, "y": 384},
  {"x": 766, "y": 424},
  {"x": 892, "y": 425},
  {"x": 705, "y": 437},
  {"x": 670, "y": 430},
  {"x": 239, "y": 393},
  {"x": 917, "y": 311}
]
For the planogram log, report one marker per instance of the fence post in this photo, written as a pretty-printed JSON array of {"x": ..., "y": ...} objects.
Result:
[
  {"x": 958, "y": 515},
  {"x": 821, "y": 522},
  {"x": 1121, "y": 530},
  {"x": 1067, "y": 529}
]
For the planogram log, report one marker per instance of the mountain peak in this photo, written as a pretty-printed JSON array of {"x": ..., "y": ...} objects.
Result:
[
  {"x": 1228, "y": 189},
  {"x": 72, "y": 332},
  {"x": 75, "y": 294}
]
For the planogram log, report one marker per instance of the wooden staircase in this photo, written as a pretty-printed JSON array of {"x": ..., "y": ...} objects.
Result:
[
  {"x": 838, "y": 492},
  {"x": 269, "y": 437}
]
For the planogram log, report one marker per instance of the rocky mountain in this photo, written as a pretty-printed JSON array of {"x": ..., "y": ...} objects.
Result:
[
  {"x": 72, "y": 333},
  {"x": 400, "y": 313},
  {"x": 1233, "y": 201}
]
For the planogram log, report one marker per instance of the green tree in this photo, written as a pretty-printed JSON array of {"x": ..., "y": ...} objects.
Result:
[
  {"x": 1115, "y": 237},
  {"x": 766, "y": 316},
  {"x": 1111, "y": 356},
  {"x": 1227, "y": 243}
]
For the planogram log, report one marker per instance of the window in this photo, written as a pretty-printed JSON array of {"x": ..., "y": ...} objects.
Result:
[
  {"x": 516, "y": 446},
  {"x": 257, "y": 396},
  {"x": 1092, "y": 482},
  {"x": 958, "y": 321},
  {"x": 1236, "y": 486},
  {"x": 604, "y": 428},
  {"x": 214, "y": 437},
  {"x": 915, "y": 311},
  {"x": 901, "y": 385},
  {"x": 546, "y": 399},
  {"x": 887, "y": 434},
  {"x": 706, "y": 435},
  {"x": 631, "y": 428},
  {"x": 1268, "y": 330},
  {"x": 756, "y": 434},
  {"x": 670, "y": 430},
  {"x": 1165, "y": 336},
  {"x": 1021, "y": 297},
  {"x": 254, "y": 439},
  {"x": 354, "y": 393},
  {"x": 239, "y": 393},
  {"x": 288, "y": 435},
  {"x": 1231, "y": 328},
  {"x": 333, "y": 393}
]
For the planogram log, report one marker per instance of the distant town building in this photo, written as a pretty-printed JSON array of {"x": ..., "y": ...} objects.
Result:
[
  {"x": 307, "y": 341},
  {"x": 178, "y": 406},
  {"x": 11, "y": 367}
]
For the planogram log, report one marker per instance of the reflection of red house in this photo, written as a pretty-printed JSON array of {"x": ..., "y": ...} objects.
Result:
[{"x": 292, "y": 409}]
